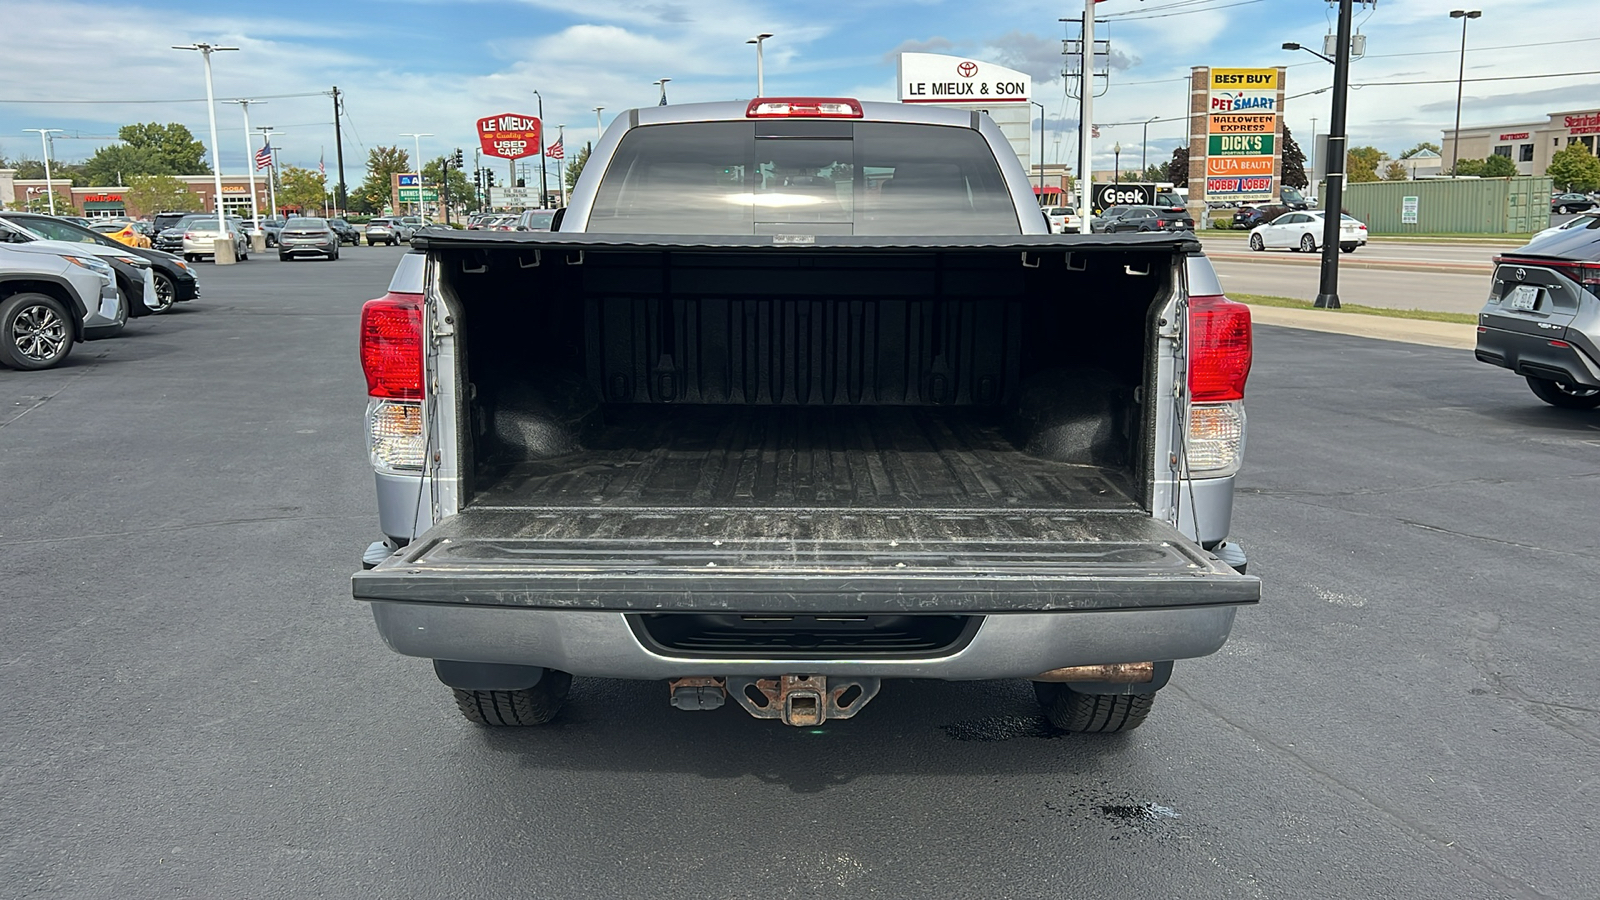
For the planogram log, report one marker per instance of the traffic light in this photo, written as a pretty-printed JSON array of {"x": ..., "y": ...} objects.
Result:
[
  {"x": 457, "y": 158},
  {"x": 488, "y": 178}
]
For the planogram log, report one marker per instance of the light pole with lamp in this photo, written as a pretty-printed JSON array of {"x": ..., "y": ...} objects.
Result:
[
  {"x": 1464, "y": 15},
  {"x": 758, "y": 40},
  {"x": 1041, "y": 149},
  {"x": 416, "y": 138},
  {"x": 663, "y": 85},
  {"x": 49, "y": 184},
  {"x": 1333, "y": 208},
  {"x": 598, "y": 128},
  {"x": 250, "y": 166},
  {"x": 543, "y": 182},
  {"x": 1116, "y": 154},
  {"x": 216, "y": 152},
  {"x": 1144, "y": 143}
]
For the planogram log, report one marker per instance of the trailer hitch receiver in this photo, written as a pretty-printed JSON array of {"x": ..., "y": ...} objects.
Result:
[{"x": 802, "y": 700}]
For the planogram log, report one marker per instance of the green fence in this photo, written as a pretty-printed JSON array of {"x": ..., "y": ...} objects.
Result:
[{"x": 1452, "y": 205}]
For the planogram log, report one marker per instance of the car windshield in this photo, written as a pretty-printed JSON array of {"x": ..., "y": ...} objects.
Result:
[
  {"x": 803, "y": 177},
  {"x": 62, "y": 230},
  {"x": 307, "y": 225}
]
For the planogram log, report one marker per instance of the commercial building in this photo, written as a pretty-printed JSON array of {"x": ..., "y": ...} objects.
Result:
[
  {"x": 103, "y": 202},
  {"x": 1528, "y": 144}
]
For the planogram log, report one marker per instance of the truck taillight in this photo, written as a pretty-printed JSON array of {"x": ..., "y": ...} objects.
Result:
[
  {"x": 391, "y": 346},
  {"x": 1219, "y": 349},
  {"x": 804, "y": 107}
]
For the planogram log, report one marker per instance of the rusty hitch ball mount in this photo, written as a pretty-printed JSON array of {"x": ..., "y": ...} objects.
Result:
[{"x": 799, "y": 700}]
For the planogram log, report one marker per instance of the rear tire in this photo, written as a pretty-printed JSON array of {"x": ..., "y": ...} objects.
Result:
[
  {"x": 1257, "y": 243},
  {"x": 1565, "y": 396},
  {"x": 1562, "y": 210},
  {"x": 1308, "y": 243},
  {"x": 1077, "y": 713},
  {"x": 35, "y": 331},
  {"x": 1348, "y": 248},
  {"x": 532, "y": 706}
]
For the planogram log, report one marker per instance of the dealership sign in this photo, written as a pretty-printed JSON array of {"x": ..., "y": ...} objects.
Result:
[
  {"x": 936, "y": 78},
  {"x": 509, "y": 135}
]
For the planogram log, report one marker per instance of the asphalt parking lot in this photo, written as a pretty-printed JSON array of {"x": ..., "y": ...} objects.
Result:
[{"x": 196, "y": 708}]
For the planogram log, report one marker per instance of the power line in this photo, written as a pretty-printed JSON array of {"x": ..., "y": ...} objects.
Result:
[
  {"x": 187, "y": 100},
  {"x": 1155, "y": 13}
]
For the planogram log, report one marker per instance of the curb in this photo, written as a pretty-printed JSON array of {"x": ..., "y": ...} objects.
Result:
[{"x": 1383, "y": 328}]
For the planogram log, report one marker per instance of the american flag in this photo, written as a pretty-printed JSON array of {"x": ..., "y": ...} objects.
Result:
[
  {"x": 555, "y": 151},
  {"x": 322, "y": 167},
  {"x": 264, "y": 157}
]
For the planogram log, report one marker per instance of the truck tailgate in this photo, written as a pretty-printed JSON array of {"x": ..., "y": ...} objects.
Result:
[{"x": 806, "y": 561}]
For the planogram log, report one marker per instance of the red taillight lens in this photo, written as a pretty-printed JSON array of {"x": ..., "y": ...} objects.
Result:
[
  {"x": 807, "y": 107},
  {"x": 391, "y": 346},
  {"x": 1219, "y": 349}
]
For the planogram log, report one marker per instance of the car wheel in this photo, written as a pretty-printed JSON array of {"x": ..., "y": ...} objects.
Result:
[
  {"x": 166, "y": 293},
  {"x": 1308, "y": 243},
  {"x": 35, "y": 331},
  {"x": 283, "y": 257},
  {"x": 1348, "y": 248},
  {"x": 1077, "y": 713},
  {"x": 244, "y": 253},
  {"x": 334, "y": 255},
  {"x": 530, "y": 706},
  {"x": 190, "y": 257},
  {"x": 1256, "y": 242},
  {"x": 1562, "y": 210},
  {"x": 1144, "y": 229},
  {"x": 1566, "y": 396}
]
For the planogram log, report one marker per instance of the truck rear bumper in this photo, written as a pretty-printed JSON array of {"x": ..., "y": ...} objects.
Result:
[{"x": 602, "y": 644}]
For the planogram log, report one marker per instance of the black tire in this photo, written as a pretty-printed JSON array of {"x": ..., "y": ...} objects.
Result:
[
  {"x": 1308, "y": 244},
  {"x": 35, "y": 331},
  {"x": 1077, "y": 713},
  {"x": 1348, "y": 248},
  {"x": 1563, "y": 395},
  {"x": 166, "y": 293},
  {"x": 190, "y": 257},
  {"x": 1257, "y": 243},
  {"x": 533, "y": 706},
  {"x": 334, "y": 255},
  {"x": 283, "y": 257}
]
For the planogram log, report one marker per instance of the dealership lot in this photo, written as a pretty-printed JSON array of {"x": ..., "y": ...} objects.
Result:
[{"x": 198, "y": 708}]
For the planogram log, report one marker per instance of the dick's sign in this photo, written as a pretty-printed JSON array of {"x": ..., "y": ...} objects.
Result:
[{"x": 509, "y": 135}]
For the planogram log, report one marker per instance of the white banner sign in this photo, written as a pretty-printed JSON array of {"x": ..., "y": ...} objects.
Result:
[
  {"x": 936, "y": 78},
  {"x": 513, "y": 196}
]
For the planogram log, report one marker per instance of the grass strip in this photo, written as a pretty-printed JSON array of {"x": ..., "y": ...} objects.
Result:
[{"x": 1426, "y": 315}]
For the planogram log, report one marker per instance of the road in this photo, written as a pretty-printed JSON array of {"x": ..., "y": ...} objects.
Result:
[{"x": 196, "y": 707}]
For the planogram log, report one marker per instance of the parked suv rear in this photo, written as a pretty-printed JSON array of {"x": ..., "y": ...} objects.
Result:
[{"x": 1542, "y": 320}]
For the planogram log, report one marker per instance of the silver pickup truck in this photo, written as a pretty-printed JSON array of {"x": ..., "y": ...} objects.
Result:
[{"x": 800, "y": 395}]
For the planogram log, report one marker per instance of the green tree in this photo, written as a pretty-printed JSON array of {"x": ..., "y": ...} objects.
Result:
[
  {"x": 117, "y": 163},
  {"x": 1294, "y": 162},
  {"x": 460, "y": 186},
  {"x": 1468, "y": 168},
  {"x": 1395, "y": 171},
  {"x": 575, "y": 167},
  {"x": 149, "y": 194},
  {"x": 1178, "y": 168},
  {"x": 1574, "y": 168},
  {"x": 28, "y": 168},
  {"x": 1425, "y": 145},
  {"x": 1361, "y": 164},
  {"x": 302, "y": 188},
  {"x": 172, "y": 143},
  {"x": 374, "y": 193},
  {"x": 1498, "y": 166}
]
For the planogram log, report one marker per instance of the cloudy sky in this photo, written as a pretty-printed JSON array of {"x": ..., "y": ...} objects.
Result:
[{"x": 437, "y": 65}]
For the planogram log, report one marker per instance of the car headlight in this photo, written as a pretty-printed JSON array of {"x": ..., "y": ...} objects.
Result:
[{"x": 134, "y": 261}]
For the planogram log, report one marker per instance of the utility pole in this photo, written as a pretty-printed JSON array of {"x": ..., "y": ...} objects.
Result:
[
  {"x": 1086, "y": 126},
  {"x": 1328, "y": 293},
  {"x": 339, "y": 198},
  {"x": 543, "y": 204}
]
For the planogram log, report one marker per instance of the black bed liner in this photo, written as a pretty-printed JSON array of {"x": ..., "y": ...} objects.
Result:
[{"x": 441, "y": 238}]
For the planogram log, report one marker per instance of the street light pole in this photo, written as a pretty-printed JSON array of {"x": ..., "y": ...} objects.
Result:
[
  {"x": 1455, "y": 143},
  {"x": 416, "y": 138},
  {"x": 543, "y": 189},
  {"x": 1041, "y": 149},
  {"x": 1333, "y": 209},
  {"x": 49, "y": 183},
  {"x": 1116, "y": 154},
  {"x": 1143, "y": 147},
  {"x": 761, "y": 87},
  {"x": 598, "y": 129},
  {"x": 250, "y": 166},
  {"x": 211, "y": 112}
]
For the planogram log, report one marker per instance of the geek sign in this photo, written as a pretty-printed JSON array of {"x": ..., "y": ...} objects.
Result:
[{"x": 509, "y": 135}]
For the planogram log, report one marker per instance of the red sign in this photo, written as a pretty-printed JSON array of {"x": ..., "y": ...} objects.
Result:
[
  {"x": 967, "y": 69},
  {"x": 103, "y": 198},
  {"x": 1584, "y": 124},
  {"x": 509, "y": 135},
  {"x": 1519, "y": 136}
]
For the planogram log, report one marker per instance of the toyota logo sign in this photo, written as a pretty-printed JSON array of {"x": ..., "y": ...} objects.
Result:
[
  {"x": 967, "y": 69},
  {"x": 1522, "y": 274}
]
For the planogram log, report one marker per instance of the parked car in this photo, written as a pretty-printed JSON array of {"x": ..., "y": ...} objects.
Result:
[
  {"x": 1248, "y": 217},
  {"x": 1542, "y": 318},
  {"x": 49, "y": 301},
  {"x": 1303, "y": 231},
  {"x": 1063, "y": 219},
  {"x": 1571, "y": 203},
  {"x": 308, "y": 236},
  {"x": 347, "y": 233},
  {"x": 201, "y": 234},
  {"x": 535, "y": 220},
  {"x": 586, "y": 485},
  {"x": 1293, "y": 199},
  {"x": 1099, "y": 224},
  {"x": 122, "y": 232},
  {"x": 1148, "y": 218},
  {"x": 169, "y": 236},
  {"x": 174, "y": 280},
  {"x": 382, "y": 231},
  {"x": 406, "y": 226},
  {"x": 135, "y": 278}
]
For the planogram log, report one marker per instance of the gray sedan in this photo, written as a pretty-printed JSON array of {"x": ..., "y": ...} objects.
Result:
[{"x": 305, "y": 236}]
